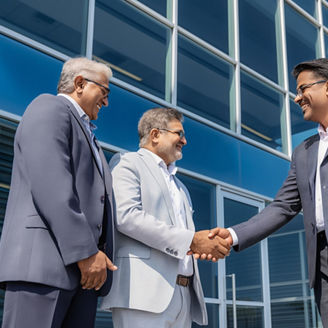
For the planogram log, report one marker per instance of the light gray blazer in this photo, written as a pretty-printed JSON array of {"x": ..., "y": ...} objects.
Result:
[
  {"x": 148, "y": 245},
  {"x": 58, "y": 198},
  {"x": 297, "y": 192}
]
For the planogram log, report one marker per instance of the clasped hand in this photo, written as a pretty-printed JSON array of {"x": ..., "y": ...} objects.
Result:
[{"x": 212, "y": 244}]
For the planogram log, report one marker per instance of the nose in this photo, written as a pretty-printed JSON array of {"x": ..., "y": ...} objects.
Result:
[
  {"x": 105, "y": 101},
  {"x": 184, "y": 140},
  {"x": 297, "y": 99}
]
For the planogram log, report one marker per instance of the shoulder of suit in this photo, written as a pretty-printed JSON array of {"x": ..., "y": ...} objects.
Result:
[
  {"x": 307, "y": 142},
  {"x": 127, "y": 157}
]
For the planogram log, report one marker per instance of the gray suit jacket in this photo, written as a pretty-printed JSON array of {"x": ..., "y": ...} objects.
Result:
[
  {"x": 148, "y": 244},
  {"x": 58, "y": 198},
  {"x": 297, "y": 192}
]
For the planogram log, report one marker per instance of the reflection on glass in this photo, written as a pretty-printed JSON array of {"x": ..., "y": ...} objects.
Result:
[
  {"x": 134, "y": 44},
  {"x": 104, "y": 319},
  {"x": 204, "y": 82},
  {"x": 325, "y": 16},
  {"x": 301, "y": 129},
  {"x": 203, "y": 199},
  {"x": 159, "y": 6},
  {"x": 261, "y": 109},
  {"x": 293, "y": 314},
  {"x": 211, "y": 18},
  {"x": 58, "y": 24},
  {"x": 258, "y": 36},
  {"x": 307, "y": 5},
  {"x": 213, "y": 316},
  {"x": 246, "y": 265},
  {"x": 247, "y": 316},
  {"x": 301, "y": 38}
]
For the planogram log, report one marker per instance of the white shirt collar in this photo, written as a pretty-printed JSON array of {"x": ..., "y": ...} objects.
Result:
[
  {"x": 171, "y": 168},
  {"x": 322, "y": 132}
]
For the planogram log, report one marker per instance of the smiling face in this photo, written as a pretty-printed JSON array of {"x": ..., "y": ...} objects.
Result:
[
  {"x": 90, "y": 94},
  {"x": 314, "y": 98},
  {"x": 169, "y": 144}
]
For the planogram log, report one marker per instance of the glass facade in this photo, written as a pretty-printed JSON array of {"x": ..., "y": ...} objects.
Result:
[{"x": 226, "y": 65}]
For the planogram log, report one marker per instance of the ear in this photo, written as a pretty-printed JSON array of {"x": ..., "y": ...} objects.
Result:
[
  {"x": 79, "y": 84},
  {"x": 154, "y": 135}
]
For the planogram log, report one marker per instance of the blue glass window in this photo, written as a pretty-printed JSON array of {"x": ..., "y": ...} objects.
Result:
[
  {"x": 261, "y": 108},
  {"x": 247, "y": 316},
  {"x": 301, "y": 129},
  {"x": 159, "y": 6},
  {"x": 58, "y": 24},
  {"x": 326, "y": 43},
  {"x": 204, "y": 82},
  {"x": 307, "y": 5},
  {"x": 325, "y": 15},
  {"x": 134, "y": 44},
  {"x": 204, "y": 204},
  {"x": 213, "y": 316},
  {"x": 301, "y": 38},
  {"x": 206, "y": 19},
  {"x": 258, "y": 36}
]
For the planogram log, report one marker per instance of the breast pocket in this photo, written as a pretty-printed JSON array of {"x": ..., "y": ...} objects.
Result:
[
  {"x": 134, "y": 252},
  {"x": 34, "y": 222}
]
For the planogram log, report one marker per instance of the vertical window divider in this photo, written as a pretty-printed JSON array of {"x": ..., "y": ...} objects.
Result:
[
  {"x": 286, "y": 130},
  {"x": 90, "y": 28},
  {"x": 321, "y": 31},
  {"x": 174, "y": 54}
]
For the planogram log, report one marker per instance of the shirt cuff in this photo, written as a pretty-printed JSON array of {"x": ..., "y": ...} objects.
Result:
[{"x": 234, "y": 237}]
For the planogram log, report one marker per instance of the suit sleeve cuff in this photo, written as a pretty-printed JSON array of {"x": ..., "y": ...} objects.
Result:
[{"x": 234, "y": 237}]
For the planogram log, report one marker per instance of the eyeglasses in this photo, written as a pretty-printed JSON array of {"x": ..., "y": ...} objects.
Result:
[
  {"x": 301, "y": 89},
  {"x": 105, "y": 93},
  {"x": 180, "y": 133}
]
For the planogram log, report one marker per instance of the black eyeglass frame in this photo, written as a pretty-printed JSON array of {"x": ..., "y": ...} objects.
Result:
[
  {"x": 100, "y": 85},
  {"x": 300, "y": 90},
  {"x": 180, "y": 133}
]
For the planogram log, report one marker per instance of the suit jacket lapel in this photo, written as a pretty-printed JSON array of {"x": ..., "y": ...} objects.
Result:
[
  {"x": 86, "y": 133},
  {"x": 155, "y": 171},
  {"x": 312, "y": 146}
]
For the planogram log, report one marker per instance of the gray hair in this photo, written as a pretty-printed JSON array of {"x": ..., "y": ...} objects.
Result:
[
  {"x": 80, "y": 66},
  {"x": 156, "y": 118}
]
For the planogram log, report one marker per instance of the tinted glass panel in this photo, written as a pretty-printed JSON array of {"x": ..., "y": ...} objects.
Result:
[
  {"x": 245, "y": 265},
  {"x": 261, "y": 112},
  {"x": 213, "y": 316},
  {"x": 211, "y": 18},
  {"x": 258, "y": 36},
  {"x": 58, "y": 24},
  {"x": 301, "y": 129},
  {"x": 203, "y": 198},
  {"x": 301, "y": 38},
  {"x": 308, "y": 5},
  {"x": 159, "y": 6},
  {"x": 247, "y": 317},
  {"x": 325, "y": 15},
  {"x": 203, "y": 82},
  {"x": 134, "y": 44}
]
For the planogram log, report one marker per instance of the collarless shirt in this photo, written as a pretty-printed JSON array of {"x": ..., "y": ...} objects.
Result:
[
  {"x": 180, "y": 219},
  {"x": 90, "y": 127},
  {"x": 322, "y": 149}
]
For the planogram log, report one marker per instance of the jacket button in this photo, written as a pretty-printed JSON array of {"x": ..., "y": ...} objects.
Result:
[
  {"x": 167, "y": 250},
  {"x": 102, "y": 199},
  {"x": 175, "y": 253},
  {"x": 99, "y": 226}
]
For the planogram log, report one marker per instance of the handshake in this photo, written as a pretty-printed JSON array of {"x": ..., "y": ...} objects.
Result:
[{"x": 211, "y": 244}]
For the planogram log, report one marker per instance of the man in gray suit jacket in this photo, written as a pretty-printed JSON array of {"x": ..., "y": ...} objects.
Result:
[
  {"x": 57, "y": 238},
  {"x": 306, "y": 186},
  {"x": 157, "y": 284}
]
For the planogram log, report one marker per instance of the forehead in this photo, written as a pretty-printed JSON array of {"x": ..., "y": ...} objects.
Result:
[
  {"x": 175, "y": 124},
  {"x": 306, "y": 77}
]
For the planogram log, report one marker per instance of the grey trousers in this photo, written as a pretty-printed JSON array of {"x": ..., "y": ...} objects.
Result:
[
  {"x": 321, "y": 284},
  {"x": 29, "y": 305},
  {"x": 177, "y": 314}
]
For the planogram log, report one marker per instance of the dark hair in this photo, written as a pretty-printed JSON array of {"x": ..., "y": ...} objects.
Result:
[{"x": 318, "y": 67}]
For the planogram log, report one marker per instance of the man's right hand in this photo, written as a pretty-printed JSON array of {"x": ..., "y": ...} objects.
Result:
[
  {"x": 215, "y": 248},
  {"x": 94, "y": 270}
]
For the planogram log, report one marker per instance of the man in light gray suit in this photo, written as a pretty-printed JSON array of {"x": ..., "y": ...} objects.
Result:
[
  {"x": 57, "y": 238},
  {"x": 306, "y": 186},
  {"x": 157, "y": 284}
]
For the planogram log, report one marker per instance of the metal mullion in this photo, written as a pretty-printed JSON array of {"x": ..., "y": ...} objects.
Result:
[
  {"x": 32, "y": 43},
  {"x": 151, "y": 12},
  {"x": 304, "y": 13},
  {"x": 265, "y": 280},
  {"x": 174, "y": 54},
  {"x": 321, "y": 31},
  {"x": 90, "y": 29},
  {"x": 205, "y": 45},
  {"x": 262, "y": 78}
]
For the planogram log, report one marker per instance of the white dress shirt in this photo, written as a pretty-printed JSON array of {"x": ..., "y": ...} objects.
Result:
[
  {"x": 323, "y": 146},
  {"x": 168, "y": 172}
]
